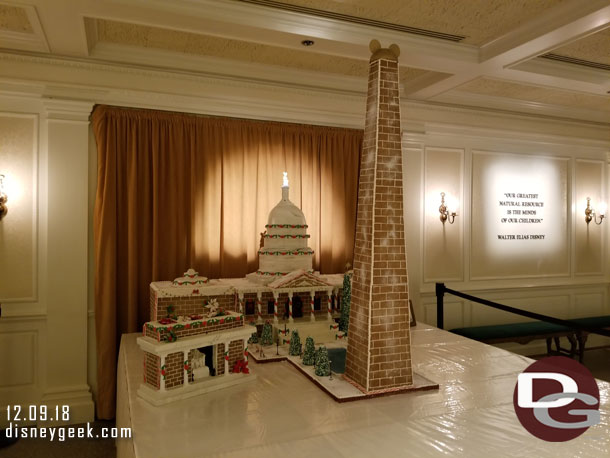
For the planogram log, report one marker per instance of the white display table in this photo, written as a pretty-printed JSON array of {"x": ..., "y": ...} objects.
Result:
[{"x": 283, "y": 413}]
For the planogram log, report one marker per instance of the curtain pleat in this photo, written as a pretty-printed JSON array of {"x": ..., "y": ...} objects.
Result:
[{"x": 178, "y": 191}]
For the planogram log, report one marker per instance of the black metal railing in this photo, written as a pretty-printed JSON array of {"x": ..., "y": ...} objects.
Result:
[{"x": 441, "y": 290}]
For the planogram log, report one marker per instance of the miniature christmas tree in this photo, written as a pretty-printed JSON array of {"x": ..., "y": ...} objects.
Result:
[
  {"x": 345, "y": 301},
  {"x": 322, "y": 362},
  {"x": 295, "y": 344},
  {"x": 309, "y": 357},
  {"x": 267, "y": 335},
  {"x": 253, "y": 338}
]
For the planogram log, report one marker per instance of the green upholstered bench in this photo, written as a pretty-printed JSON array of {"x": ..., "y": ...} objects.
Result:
[
  {"x": 523, "y": 333},
  {"x": 594, "y": 322}
]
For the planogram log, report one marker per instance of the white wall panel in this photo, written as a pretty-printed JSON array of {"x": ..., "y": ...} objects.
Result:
[
  {"x": 19, "y": 228},
  {"x": 443, "y": 243},
  {"x": 589, "y": 242},
  {"x": 18, "y": 358}
]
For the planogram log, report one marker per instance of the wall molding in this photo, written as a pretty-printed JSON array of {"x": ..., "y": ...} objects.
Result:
[
  {"x": 562, "y": 112},
  {"x": 10, "y": 303},
  {"x": 296, "y": 100},
  {"x": 506, "y": 135},
  {"x": 67, "y": 110},
  {"x": 218, "y": 67}
]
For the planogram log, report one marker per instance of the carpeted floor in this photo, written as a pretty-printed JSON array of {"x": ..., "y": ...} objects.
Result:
[{"x": 70, "y": 448}]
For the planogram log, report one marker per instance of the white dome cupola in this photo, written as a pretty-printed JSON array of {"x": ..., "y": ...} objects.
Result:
[
  {"x": 285, "y": 240},
  {"x": 285, "y": 212}
]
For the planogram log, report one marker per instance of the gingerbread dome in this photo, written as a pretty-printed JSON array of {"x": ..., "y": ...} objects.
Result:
[{"x": 285, "y": 212}]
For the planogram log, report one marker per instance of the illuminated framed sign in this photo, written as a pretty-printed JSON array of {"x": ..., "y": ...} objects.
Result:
[{"x": 519, "y": 216}]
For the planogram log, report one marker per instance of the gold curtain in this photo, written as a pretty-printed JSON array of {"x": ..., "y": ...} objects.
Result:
[{"x": 177, "y": 191}]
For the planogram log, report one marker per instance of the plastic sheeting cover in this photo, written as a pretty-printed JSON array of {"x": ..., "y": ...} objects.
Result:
[{"x": 282, "y": 413}]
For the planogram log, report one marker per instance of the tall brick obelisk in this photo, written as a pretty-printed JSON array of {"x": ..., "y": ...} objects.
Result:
[{"x": 379, "y": 345}]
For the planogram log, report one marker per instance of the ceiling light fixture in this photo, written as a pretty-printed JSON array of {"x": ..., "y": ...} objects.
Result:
[{"x": 307, "y": 42}]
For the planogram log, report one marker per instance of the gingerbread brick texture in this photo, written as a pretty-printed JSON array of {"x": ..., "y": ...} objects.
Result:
[
  {"x": 378, "y": 352},
  {"x": 162, "y": 332},
  {"x": 152, "y": 370},
  {"x": 196, "y": 339},
  {"x": 236, "y": 353},
  {"x": 188, "y": 304}
]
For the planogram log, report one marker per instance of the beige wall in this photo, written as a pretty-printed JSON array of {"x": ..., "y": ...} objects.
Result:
[
  {"x": 566, "y": 275},
  {"x": 18, "y": 161},
  {"x": 43, "y": 266},
  {"x": 50, "y": 334}
]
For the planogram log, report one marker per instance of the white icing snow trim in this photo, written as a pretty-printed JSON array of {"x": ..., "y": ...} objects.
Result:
[
  {"x": 297, "y": 275},
  {"x": 285, "y": 212},
  {"x": 280, "y": 252},
  {"x": 191, "y": 277},
  {"x": 286, "y": 236},
  {"x": 253, "y": 283}
]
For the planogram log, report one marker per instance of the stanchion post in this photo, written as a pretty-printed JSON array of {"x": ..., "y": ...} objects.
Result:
[{"x": 440, "y": 293}]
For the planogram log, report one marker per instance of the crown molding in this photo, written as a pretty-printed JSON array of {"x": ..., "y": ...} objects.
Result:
[
  {"x": 22, "y": 41},
  {"x": 568, "y": 114},
  {"x": 506, "y": 136},
  {"x": 563, "y": 70},
  {"x": 506, "y": 123},
  {"x": 98, "y": 67},
  {"x": 67, "y": 110},
  {"x": 239, "y": 96},
  {"x": 216, "y": 67}
]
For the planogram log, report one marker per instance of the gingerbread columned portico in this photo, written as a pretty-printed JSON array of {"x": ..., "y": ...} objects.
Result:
[{"x": 378, "y": 350}]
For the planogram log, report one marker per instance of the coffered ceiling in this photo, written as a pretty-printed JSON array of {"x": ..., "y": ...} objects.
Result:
[
  {"x": 14, "y": 19},
  {"x": 518, "y": 55},
  {"x": 207, "y": 45},
  {"x": 477, "y": 21},
  {"x": 594, "y": 48}
]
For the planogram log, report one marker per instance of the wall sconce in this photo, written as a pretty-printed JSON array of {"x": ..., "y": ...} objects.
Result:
[
  {"x": 445, "y": 214},
  {"x": 591, "y": 215},
  {"x": 3, "y": 198}
]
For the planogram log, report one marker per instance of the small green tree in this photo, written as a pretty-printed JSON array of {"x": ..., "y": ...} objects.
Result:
[
  {"x": 309, "y": 357},
  {"x": 295, "y": 344},
  {"x": 267, "y": 335},
  {"x": 322, "y": 362},
  {"x": 345, "y": 301},
  {"x": 253, "y": 338}
]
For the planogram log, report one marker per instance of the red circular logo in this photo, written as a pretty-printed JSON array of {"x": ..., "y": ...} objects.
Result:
[{"x": 556, "y": 399}]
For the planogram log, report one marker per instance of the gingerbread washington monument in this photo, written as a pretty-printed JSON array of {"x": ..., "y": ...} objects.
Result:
[{"x": 379, "y": 344}]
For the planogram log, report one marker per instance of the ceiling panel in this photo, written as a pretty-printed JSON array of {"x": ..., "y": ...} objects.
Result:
[
  {"x": 207, "y": 45},
  {"x": 478, "y": 20},
  {"x": 594, "y": 48},
  {"x": 14, "y": 19}
]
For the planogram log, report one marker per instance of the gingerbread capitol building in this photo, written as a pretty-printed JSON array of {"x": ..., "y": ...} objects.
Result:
[{"x": 197, "y": 337}]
